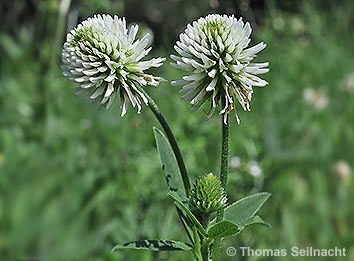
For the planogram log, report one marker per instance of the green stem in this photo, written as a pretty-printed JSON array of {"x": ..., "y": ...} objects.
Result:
[
  {"x": 171, "y": 138},
  {"x": 224, "y": 159},
  {"x": 204, "y": 219},
  {"x": 223, "y": 177},
  {"x": 215, "y": 251},
  {"x": 205, "y": 250}
]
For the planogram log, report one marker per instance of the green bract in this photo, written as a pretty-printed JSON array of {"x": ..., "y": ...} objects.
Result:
[
  {"x": 214, "y": 49},
  {"x": 207, "y": 195},
  {"x": 102, "y": 55}
]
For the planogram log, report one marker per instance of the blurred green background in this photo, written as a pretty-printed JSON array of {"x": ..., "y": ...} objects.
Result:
[{"x": 75, "y": 180}]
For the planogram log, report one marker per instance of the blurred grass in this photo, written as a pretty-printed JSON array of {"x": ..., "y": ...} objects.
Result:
[{"x": 75, "y": 180}]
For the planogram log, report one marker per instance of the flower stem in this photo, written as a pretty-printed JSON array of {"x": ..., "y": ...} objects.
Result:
[
  {"x": 205, "y": 250},
  {"x": 205, "y": 242},
  {"x": 223, "y": 177},
  {"x": 224, "y": 171},
  {"x": 171, "y": 138}
]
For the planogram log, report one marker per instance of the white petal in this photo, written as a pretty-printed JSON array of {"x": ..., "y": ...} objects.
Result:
[
  {"x": 110, "y": 77},
  {"x": 109, "y": 90},
  {"x": 190, "y": 86},
  {"x": 90, "y": 72},
  {"x": 212, "y": 73},
  {"x": 250, "y": 52},
  {"x": 124, "y": 105},
  {"x": 194, "y": 77},
  {"x": 179, "y": 82},
  {"x": 212, "y": 85},
  {"x": 110, "y": 101},
  {"x": 98, "y": 92}
]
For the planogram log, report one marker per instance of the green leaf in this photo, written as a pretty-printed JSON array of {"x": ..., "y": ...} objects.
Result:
[
  {"x": 256, "y": 220},
  {"x": 187, "y": 225},
  {"x": 243, "y": 210},
  {"x": 188, "y": 213},
  {"x": 169, "y": 164},
  {"x": 155, "y": 245},
  {"x": 223, "y": 229}
]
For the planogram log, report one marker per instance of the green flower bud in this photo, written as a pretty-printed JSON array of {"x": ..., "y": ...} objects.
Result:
[{"x": 207, "y": 195}]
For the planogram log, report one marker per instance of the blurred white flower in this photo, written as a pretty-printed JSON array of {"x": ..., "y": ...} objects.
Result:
[
  {"x": 348, "y": 83},
  {"x": 86, "y": 124},
  {"x": 214, "y": 3},
  {"x": 298, "y": 25},
  {"x": 235, "y": 162},
  {"x": 154, "y": 14},
  {"x": 102, "y": 55},
  {"x": 215, "y": 50},
  {"x": 343, "y": 169},
  {"x": 24, "y": 109},
  {"x": 254, "y": 169},
  {"x": 316, "y": 97},
  {"x": 279, "y": 23}
]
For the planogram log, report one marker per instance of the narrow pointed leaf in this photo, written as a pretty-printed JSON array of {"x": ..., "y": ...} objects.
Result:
[
  {"x": 169, "y": 164},
  {"x": 188, "y": 213},
  {"x": 245, "y": 209},
  {"x": 155, "y": 245},
  {"x": 223, "y": 229},
  {"x": 185, "y": 223}
]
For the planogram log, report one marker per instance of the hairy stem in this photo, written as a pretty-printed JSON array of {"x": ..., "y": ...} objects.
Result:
[
  {"x": 224, "y": 171},
  {"x": 171, "y": 138},
  {"x": 223, "y": 177}
]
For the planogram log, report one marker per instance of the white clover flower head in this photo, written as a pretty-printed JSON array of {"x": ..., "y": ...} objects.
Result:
[
  {"x": 343, "y": 169},
  {"x": 102, "y": 55},
  {"x": 215, "y": 50}
]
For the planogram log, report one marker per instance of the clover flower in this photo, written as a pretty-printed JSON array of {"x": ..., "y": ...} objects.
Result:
[
  {"x": 316, "y": 97},
  {"x": 207, "y": 195},
  {"x": 343, "y": 170},
  {"x": 215, "y": 50},
  {"x": 102, "y": 55}
]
